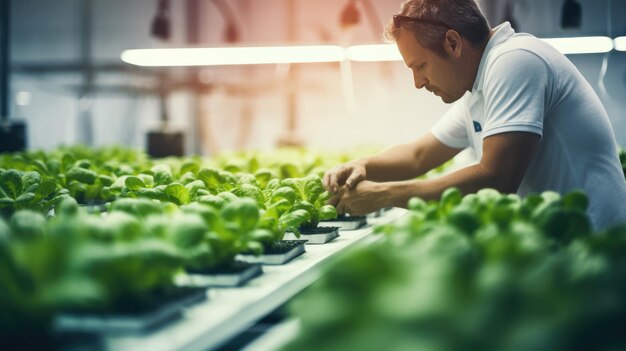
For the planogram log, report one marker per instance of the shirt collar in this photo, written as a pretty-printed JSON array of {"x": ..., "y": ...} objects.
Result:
[{"x": 502, "y": 32}]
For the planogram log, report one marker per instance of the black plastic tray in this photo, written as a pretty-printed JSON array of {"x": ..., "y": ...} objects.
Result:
[
  {"x": 347, "y": 222},
  {"x": 279, "y": 252},
  {"x": 235, "y": 275},
  {"x": 129, "y": 323},
  {"x": 319, "y": 235}
]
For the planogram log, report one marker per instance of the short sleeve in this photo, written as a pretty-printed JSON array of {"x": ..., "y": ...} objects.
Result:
[
  {"x": 515, "y": 93},
  {"x": 451, "y": 129}
]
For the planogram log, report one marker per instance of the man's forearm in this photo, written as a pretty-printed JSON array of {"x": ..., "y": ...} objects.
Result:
[
  {"x": 408, "y": 161},
  {"x": 467, "y": 180},
  {"x": 396, "y": 163}
]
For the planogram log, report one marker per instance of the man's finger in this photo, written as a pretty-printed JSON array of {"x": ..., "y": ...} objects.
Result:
[
  {"x": 354, "y": 179},
  {"x": 332, "y": 180}
]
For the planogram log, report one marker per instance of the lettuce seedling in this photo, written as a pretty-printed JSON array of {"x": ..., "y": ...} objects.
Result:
[
  {"x": 232, "y": 229},
  {"x": 217, "y": 181},
  {"x": 27, "y": 190},
  {"x": 311, "y": 197}
]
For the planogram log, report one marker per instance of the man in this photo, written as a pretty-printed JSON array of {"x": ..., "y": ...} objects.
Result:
[{"x": 532, "y": 119}]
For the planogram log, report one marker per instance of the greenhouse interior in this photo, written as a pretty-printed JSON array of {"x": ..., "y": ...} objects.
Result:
[{"x": 265, "y": 175}]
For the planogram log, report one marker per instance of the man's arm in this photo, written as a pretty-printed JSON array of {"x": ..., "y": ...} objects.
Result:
[
  {"x": 408, "y": 161},
  {"x": 400, "y": 162},
  {"x": 505, "y": 159}
]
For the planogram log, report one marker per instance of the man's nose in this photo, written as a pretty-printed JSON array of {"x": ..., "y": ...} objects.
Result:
[{"x": 420, "y": 82}]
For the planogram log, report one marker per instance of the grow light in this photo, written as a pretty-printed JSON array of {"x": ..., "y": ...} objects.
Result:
[
  {"x": 581, "y": 45},
  {"x": 233, "y": 55},
  {"x": 620, "y": 43},
  {"x": 323, "y": 53},
  {"x": 370, "y": 53}
]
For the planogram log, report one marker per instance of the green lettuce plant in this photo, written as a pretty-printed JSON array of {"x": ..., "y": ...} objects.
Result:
[
  {"x": 27, "y": 190},
  {"x": 311, "y": 197}
]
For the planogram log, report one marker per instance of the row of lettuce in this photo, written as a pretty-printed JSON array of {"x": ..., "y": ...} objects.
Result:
[
  {"x": 487, "y": 271},
  {"x": 101, "y": 175},
  {"x": 58, "y": 252},
  {"x": 474, "y": 258}
]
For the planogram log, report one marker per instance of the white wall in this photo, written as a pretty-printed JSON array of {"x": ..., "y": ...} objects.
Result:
[{"x": 386, "y": 108}]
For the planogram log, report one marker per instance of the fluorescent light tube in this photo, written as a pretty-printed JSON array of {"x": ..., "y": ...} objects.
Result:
[
  {"x": 233, "y": 55},
  {"x": 620, "y": 43},
  {"x": 323, "y": 53},
  {"x": 377, "y": 52},
  {"x": 581, "y": 45}
]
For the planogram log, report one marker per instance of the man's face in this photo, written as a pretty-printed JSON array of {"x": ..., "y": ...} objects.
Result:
[{"x": 437, "y": 74}]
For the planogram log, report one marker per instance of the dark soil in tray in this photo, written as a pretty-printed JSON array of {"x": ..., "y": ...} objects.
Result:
[
  {"x": 135, "y": 307},
  {"x": 344, "y": 218},
  {"x": 234, "y": 267},
  {"x": 280, "y": 247},
  {"x": 317, "y": 230}
]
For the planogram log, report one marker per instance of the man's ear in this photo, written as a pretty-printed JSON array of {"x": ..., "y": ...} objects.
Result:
[{"x": 452, "y": 43}]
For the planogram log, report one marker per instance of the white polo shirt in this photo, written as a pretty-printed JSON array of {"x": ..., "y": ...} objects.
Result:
[{"x": 525, "y": 85}]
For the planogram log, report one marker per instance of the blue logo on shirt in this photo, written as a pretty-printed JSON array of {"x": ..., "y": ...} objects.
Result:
[{"x": 477, "y": 127}]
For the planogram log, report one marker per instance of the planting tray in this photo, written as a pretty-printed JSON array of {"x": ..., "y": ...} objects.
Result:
[
  {"x": 169, "y": 308},
  {"x": 234, "y": 275},
  {"x": 279, "y": 252},
  {"x": 319, "y": 235},
  {"x": 347, "y": 222},
  {"x": 375, "y": 214}
]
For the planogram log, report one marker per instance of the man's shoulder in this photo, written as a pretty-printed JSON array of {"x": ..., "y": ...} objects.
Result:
[
  {"x": 523, "y": 44},
  {"x": 521, "y": 55}
]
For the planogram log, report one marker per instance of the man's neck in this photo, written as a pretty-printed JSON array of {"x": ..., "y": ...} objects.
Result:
[{"x": 475, "y": 56}]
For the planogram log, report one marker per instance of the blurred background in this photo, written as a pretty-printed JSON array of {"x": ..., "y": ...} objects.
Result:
[{"x": 69, "y": 85}]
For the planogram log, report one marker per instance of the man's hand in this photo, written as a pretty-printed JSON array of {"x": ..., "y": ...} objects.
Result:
[
  {"x": 348, "y": 174},
  {"x": 364, "y": 198}
]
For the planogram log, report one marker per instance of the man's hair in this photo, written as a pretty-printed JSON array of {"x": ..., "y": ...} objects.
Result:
[{"x": 462, "y": 16}]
